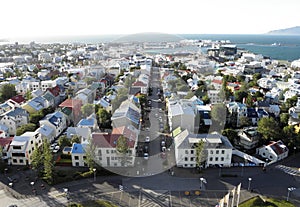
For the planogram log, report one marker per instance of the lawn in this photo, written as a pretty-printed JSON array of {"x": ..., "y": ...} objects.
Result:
[
  {"x": 269, "y": 202},
  {"x": 98, "y": 203}
]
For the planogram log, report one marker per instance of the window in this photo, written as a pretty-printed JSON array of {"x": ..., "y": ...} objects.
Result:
[
  {"x": 185, "y": 165},
  {"x": 186, "y": 152},
  {"x": 222, "y": 158},
  {"x": 192, "y": 158},
  {"x": 99, "y": 152},
  {"x": 192, "y": 151},
  {"x": 217, "y": 151},
  {"x": 31, "y": 141},
  {"x": 107, "y": 151},
  {"x": 211, "y": 152},
  {"x": 210, "y": 159},
  {"x": 192, "y": 165},
  {"x": 185, "y": 159},
  {"x": 223, "y": 151},
  {"x": 29, "y": 151},
  {"x": 111, "y": 151},
  {"x": 112, "y": 158},
  {"x": 84, "y": 157},
  {"x": 216, "y": 159},
  {"x": 15, "y": 160},
  {"x": 21, "y": 161},
  {"x": 76, "y": 157},
  {"x": 77, "y": 163}
]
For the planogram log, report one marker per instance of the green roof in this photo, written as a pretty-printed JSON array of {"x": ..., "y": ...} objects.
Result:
[
  {"x": 176, "y": 131},
  {"x": 66, "y": 111}
]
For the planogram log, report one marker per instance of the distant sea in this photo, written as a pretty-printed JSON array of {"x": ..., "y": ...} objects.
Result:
[{"x": 280, "y": 47}]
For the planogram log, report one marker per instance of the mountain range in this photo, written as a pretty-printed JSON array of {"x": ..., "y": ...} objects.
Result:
[{"x": 287, "y": 31}]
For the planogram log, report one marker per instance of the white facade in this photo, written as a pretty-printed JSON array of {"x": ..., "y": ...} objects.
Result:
[
  {"x": 217, "y": 149},
  {"x": 48, "y": 84},
  {"x": 21, "y": 148},
  {"x": 273, "y": 152}
]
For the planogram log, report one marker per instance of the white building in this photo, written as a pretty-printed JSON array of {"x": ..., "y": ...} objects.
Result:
[
  {"x": 237, "y": 110},
  {"x": 21, "y": 148},
  {"x": 217, "y": 149},
  {"x": 78, "y": 155},
  {"x": 273, "y": 152}
]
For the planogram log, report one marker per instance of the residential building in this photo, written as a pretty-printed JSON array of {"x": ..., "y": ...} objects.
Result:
[
  {"x": 78, "y": 155},
  {"x": 14, "y": 119},
  {"x": 273, "y": 152},
  {"x": 236, "y": 111},
  {"x": 248, "y": 138},
  {"x": 57, "y": 121},
  {"x": 21, "y": 148},
  {"x": 217, "y": 149}
]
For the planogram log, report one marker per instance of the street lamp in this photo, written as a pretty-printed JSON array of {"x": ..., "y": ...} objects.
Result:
[
  {"x": 289, "y": 190},
  {"x": 201, "y": 182},
  {"x": 249, "y": 183},
  {"x": 94, "y": 169}
]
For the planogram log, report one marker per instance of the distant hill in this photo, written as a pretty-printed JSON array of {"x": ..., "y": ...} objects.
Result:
[
  {"x": 287, "y": 31},
  {"x": 149, "y": 37}
]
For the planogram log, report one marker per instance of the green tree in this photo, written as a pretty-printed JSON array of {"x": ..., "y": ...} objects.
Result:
[
  {"x": 268, "y": 128},
  {"x": 36, "y": 158},
  {"x": 240, "y": 95},
  {"x": 206, "y": 99},
  {"x": 231, "y": 134},
  {"x": 218, "y": 115},
  {"x": 104, "y": 118},
  {"x": 35, "y": 117},
  {"x": 48, "y": 162},
  {"x": 200, "y": 156},
  {"x": 87, "y": 109},
  {"x": 184, "y": 88},
  {"x": 122, "y": 145},
  {"x": 90, "y": 154},
  {"x": 25, "y": 128},
  {"x": 244, "y": 121},
  {"x": 189, "y": 95},
  {"x": 284, "y": 119},
  {"x": 28, "y": 95},
  {"x": 121, "y": 96},
  {"x": 7, "y": 91},
  {"x": 64, "y": 141},
  {"x": 75, "y": 139},
  {"x": 292, "y": 101}
]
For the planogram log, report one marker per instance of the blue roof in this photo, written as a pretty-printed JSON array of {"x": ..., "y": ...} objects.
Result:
[
  {"x": 133, "y": 115},
  {"x": 77, "y": 148},
  {"x": 55, "y": 118},
  {"x": 86, "y": 122},
  {"x": 251, "y": 113}
]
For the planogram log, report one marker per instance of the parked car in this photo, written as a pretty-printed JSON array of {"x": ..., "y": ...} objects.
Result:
[
  {"x": 146, "y": 156},
  {"x": 147, "y": 139}
]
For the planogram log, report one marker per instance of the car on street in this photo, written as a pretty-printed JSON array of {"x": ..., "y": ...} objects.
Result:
[
  {"x": 163, "y": 143},
  {"x": 146, "y": 148},
  {"x": 147, "y": 129},
  {"x": 146, "y": 156},
  {"x": 147, "y": 139},
  {"x": 163, "y": 149}
]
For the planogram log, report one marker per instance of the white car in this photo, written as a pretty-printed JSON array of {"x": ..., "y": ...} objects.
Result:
[
  {"x": 147, "y": 139},
  {"x": 55, "y": 151},
  {"x": 57, "y": 147},
  {"x": 146, "y": 156}
]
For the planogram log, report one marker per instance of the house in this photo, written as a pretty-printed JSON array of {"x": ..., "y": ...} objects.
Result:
[
  {"x": 17, "y": 100},
  {"x": 248, "y": 138},
  {"x": 128, "y": 113},
  {"x": 86, "y": 95},
  {"x": 106, "y": 154},
  {"x": 78, "y": 155},
  {"x": 273, "y": 152},
  {"x": 236, "y": 111},
  {"x": 5, "y": 144},
  {"x": 252, "y": 116},
  {"x": 21, "y": 148},
  {"x": 57, "y": 121},
  {"x": 14, "y": 119},
  {"x": 58, "y": 93},
  {"x": 214, "y": 96},
  {"x": 46, "y": 132},
  {"x": 74, "y": 105},
  {"x": 84, "y": 133},
  {"x": 90, "y": 122},
  {"x": 217, "y": 149},
  {"x": 47, "y": 84},
  {"x": 183, "y": 113},
  {"x": 36, "y": 104}
]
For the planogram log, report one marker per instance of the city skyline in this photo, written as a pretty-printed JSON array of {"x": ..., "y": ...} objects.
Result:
[{"x": 33, "y": 18}]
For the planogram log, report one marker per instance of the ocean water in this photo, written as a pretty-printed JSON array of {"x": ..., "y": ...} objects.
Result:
[{"x": 278, "y": 47}]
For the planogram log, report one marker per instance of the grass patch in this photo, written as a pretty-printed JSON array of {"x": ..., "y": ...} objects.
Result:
[
  {"x": 64, "y": 161},
  {"x": 269, "y": 202},
  {"x": 98, "y": 203}
]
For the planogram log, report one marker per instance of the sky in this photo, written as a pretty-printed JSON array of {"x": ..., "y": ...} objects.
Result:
[{"x": 35, "y": 18}]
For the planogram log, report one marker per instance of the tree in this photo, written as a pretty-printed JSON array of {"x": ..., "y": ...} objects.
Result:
[
  {"x": 268, "y": 128},
  {"x": 284, "y": 119},
  {"x": 64, "y": 141},
  {"x": 200, "y": 156},
  {"x": 28, "y": 95},
  {"x": 48, "y": 162},
  {"x": 218, "y": 115},
  {"x": 240, "y": 95},
  {"x": 104, "y": 118},
  {"x": 25, "y": 128},
  {"x": 90, "y": 154},
  {"x": 35, "y": 117},
  {"x": 206, "y": 99},
  {"x": 36, "y": 158},
  {"x": 75, "y": 139},
  {"x": 122, "y": 145},
  {"x": 184, "y": 88},
  {"x": 244, "y": 121},
  {"x": 121, "y": 96},
  {"x": 231, "y": 134},
  {"x": 189, "y": 95},
  {"x": 87, "y": 109},
  {"x": 7, "y": 91}
]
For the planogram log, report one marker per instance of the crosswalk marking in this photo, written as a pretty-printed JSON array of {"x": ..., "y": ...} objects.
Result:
[{"x": 289, "y": 170}]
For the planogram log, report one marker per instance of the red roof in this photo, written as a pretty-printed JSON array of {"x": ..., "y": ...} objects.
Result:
[
  {"x": 217, "y": 81},
  {"x": 139, "y": 83},
  {"x": 5, "y": 141},
  {"x": 55, "y": 91},
  {"x": 71, "y": 103},
  {"x": 18, "y": 99},
  {"x": 278, "y": 147}
]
